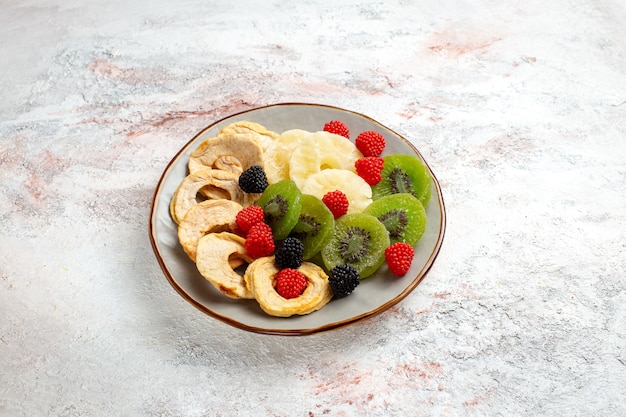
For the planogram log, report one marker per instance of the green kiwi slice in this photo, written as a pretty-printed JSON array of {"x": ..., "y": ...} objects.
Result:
[
  {"x": 404, "y": 174},
  {"x": 402, "y": 214},
  {"x": 359, "y": 240},
  {"x": 281, "y": 203},
  {"x": 315, "y": 225}
]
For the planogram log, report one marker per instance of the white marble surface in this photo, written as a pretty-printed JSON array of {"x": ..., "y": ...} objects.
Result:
[{"x": 519, "y": 107}]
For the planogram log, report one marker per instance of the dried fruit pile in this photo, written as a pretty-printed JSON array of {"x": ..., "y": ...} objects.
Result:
[{"x": 305, "y": 215}]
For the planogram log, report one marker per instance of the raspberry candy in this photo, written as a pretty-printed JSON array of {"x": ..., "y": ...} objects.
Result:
[
  {"x": 399, "y": 257},
  {"x": 337, "y": 203},
  {"x": 290, "y": 283},
  {"x": 370, "y": 168},
  {"x": 260, "y": 241},
  {"x": 248, "y": 217},
  {"x": 338, "y": 128},
  {"x": 370, "y": 143}
]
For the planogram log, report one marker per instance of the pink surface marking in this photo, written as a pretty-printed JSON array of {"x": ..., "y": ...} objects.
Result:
[
  {"x": 12, "y": 151},
  {"x": 322, "y": 87},
  {"x": 415, "y": 109},
  {"x": 344, "y": 380},
  {"x": 367, "y": 386},
  {"x": 425, "y": 370},
  {"x": 233, "y": 104},
  {"x": 148, "y": 122},
  {"x": 510, "y": 146},
  {"x": 115, "y": 72},
  {"x": 457, "y": 42},
  {"x": 42, "y": 169},
  {"x": 463, "y": 291},
  {"x": 473, "y": 402}
]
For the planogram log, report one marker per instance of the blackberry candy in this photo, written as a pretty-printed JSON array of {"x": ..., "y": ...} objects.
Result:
[
  {"x": 253, "y": 180},
  {"x": 289, "y": 255},
  {"x": 343, "y": 279}
]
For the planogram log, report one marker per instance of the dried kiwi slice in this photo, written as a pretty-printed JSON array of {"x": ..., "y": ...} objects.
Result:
[
  {"x": 315, "y": 225},
  {"x": 359, "y": 240},
  {"x": 281, "y": 203},
  {"x": 404, "y": 174},
  {"x": 402, "y": 214}
]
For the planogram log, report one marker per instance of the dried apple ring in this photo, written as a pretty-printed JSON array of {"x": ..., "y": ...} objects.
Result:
[
  {"x": 258, "y": 132},
  {"x": 210, "y": 216},
  {"x": 226, "y": 184},
  {"x": 210, "y": 183},
  {"x": 259, "y": 278},
  {"x": 185, "y": 196},
  {"x": 217, "y": 255},
  {"x": 244, "y": 149}
]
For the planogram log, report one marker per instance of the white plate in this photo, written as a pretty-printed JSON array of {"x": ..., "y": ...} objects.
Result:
[{"x": 374, "y": 295}]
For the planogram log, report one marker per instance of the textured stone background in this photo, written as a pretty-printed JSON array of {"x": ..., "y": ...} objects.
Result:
[{"x": 520, "y": 110}]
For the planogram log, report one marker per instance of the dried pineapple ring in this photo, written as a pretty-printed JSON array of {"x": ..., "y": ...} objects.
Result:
[
  {"x": 215, "y": 259},
  {"x": 278, "y": 153},
  {"x": 259, "y": 278},
  {"x": 244, "y": 149},
  {"x": 322, "y": 150},
  {"x": 206, "y": 217},
  {"x": 258, "y": 132},
  {"x": 358, "y": 192}
]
